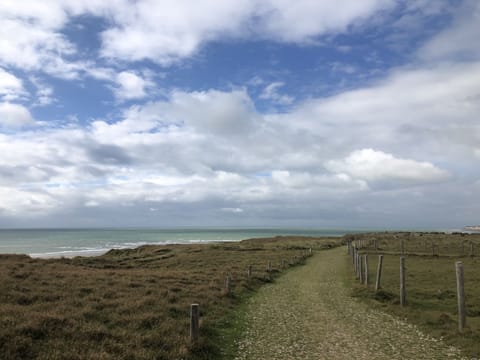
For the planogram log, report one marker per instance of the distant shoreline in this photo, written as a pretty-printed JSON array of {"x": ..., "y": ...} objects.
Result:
[
  {"x": 58, "y": 243},
  {"x": 472, "y": 228}
]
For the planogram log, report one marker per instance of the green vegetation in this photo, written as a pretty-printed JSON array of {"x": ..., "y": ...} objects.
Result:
[
  {"x": 430, "y": 282},
  {"x": 134, "y": 304}
]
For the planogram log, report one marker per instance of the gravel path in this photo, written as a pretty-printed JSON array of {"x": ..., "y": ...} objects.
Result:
[{"x": 308, "y": 314}]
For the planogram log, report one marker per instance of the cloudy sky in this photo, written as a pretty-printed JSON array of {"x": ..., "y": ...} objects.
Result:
[{"x": 169, "y": 113}]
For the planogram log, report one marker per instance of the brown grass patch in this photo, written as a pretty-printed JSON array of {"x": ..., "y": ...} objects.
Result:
[{"x": 132, "y": 304}]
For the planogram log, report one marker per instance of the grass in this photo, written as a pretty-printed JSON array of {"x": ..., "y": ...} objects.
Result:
[
  {"x": 134, "y": 304},
  {"x": 430, "y": 282}
]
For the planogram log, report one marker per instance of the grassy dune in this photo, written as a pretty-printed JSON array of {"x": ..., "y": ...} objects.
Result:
[
  {"x": 132, "y": 304},
  {"x": 430, "y": 282}
]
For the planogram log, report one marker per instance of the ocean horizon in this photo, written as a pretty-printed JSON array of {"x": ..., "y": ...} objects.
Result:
[{"x": 70, "y": 242}]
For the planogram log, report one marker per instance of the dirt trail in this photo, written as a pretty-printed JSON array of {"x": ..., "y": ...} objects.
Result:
[{"x": 308, "y": 314}]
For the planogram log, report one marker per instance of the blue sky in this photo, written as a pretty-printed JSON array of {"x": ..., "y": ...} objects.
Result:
[{"x": 244, "y": 113}]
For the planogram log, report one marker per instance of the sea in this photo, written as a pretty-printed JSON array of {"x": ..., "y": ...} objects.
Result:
[{"x": 46, "y": 243}]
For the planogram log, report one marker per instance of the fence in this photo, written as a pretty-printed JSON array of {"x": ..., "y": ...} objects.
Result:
[
  {"x": 427, "y": 244},
  {"x": 428, "y": 266}
]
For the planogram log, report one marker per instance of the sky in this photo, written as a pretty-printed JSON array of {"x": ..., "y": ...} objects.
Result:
[{"x": 308, "y": 113}]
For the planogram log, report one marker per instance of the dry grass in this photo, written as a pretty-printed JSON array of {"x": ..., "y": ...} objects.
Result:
[
  {"x": 132, "y": 304},
  {"x": 430, "y": 282}
]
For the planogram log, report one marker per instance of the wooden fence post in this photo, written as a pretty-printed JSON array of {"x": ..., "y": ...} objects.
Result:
[
  {"x": 359, "y": 261},
  {"x": 310, "y": 251},
  {"x": 379, "y": 272},
  {"x": 269, "y": 267},
  {"x": 360, "y": 267},
  {"x": 433, "y": 249},
  {"x": 460, "y": 296},
  {"x": 356, "y": 263},
  {"x": 402, "y": 281},
  {"x": 471, "y": 249},
  {"x": 402, "y": 246},
  {"x": 194, "y": 324},
  {"x": 354, "y": 257},
  {"x": 249, "y": 272},
  {"x": 366, "y": 269}
]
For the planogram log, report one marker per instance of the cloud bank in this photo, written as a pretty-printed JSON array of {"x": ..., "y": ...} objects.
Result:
[{"x": 375, "y": 153}]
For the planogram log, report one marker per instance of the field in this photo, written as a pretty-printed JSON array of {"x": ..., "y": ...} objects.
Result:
[
  {"x": 431, "y": 299},
  {"x": 134, "y": 304}
]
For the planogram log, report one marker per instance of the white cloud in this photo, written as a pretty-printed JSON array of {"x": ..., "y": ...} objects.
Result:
[
  {"x": 193, "y": 114},
  {"x": 310, "y": 181},
  {"x": 301, "y": 21},
  {"x": 340, "y": 67},
  {"x": 34, "y": 47},
  {"x": 14, "y": 115},
  {"x": 212, "y": 149},
  {"x": 153, "y": 157},
  {"x": 92, "y": 203},
  {"x": 372, "y": 165},
  {"x": 171, "y": 30},
  {"x": 44, "y": 93},
  {"x": 131, "y": 86},
  {"x": 31, "y": 34},
  {"x": 232, "y": 210},
  {"x": 44, "y": 96},
  {"x": 271, "y": 92},
  {"x": 18, "y": 202},
  {"x": 431, "y": 111},
  {"x": 477, "y": 152},
  {"x": 165, "y": 31},
  {"x": 460, "y": 40},
  {"x": 184, "y": 150},
  {"x": 214, "y": 111},
  {"x": 11, "y": 87}
]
